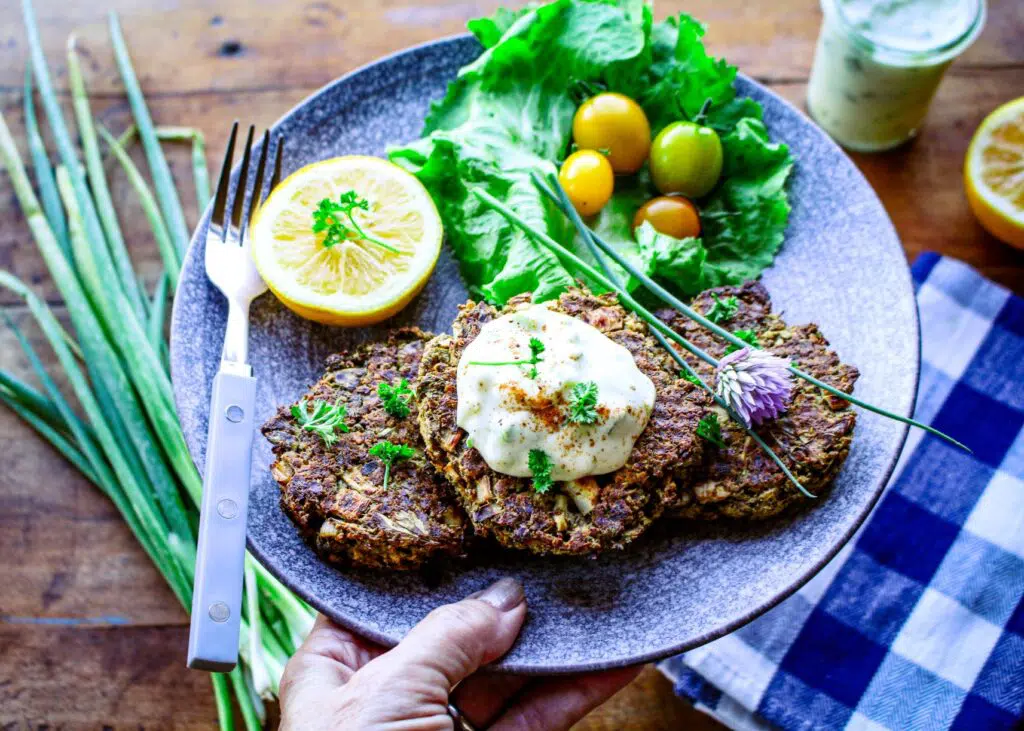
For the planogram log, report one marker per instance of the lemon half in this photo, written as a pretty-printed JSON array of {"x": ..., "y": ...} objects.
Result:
[
  {"x": 994, "y": 173},
  {"x": 357, "y": 281}
]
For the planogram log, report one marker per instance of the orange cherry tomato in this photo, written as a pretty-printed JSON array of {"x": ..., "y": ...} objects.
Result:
[
  {"x": 671, "y": 215},
  {"x": 614, "y": 123},
  {"x": 588, "y": 180}
]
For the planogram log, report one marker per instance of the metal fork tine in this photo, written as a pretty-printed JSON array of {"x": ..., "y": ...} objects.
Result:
[
  {"x": 275, "y": 178},
  {"x": 257, "y": 188},
  {"x": 243, "y": 182},
  {"x": 218, "y": 218}
]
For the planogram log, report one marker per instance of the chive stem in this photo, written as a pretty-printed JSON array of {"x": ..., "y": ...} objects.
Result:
[{"x": 668, "y": 298}]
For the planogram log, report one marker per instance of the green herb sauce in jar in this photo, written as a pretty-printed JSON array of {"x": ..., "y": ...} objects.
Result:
[{"x": 879, "y": 62}]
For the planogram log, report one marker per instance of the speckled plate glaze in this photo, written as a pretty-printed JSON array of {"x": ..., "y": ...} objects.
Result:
[{"x": 682, "y": 584}]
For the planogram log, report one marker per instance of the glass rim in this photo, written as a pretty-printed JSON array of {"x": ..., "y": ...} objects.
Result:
[{"x": 937, "y": 54}]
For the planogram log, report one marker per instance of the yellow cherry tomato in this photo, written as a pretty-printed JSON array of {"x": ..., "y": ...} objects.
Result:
[
  {"x": 614, "y": 123},
  {"x": 588, "y": 180},
  {"x": 671, "y": 215},
  {"x": 686, "y": 158}
]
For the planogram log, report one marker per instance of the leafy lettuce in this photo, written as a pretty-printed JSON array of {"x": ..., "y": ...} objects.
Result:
[{"x": 510, "y": 113}]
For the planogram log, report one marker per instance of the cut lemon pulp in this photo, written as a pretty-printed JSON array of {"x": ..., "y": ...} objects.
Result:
[
  {"x": 357, "y": 281},
  {"x": 994, "y": 173}
]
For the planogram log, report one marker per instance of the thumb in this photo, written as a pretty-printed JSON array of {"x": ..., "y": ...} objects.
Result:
[{"x": 454, "y": 640}]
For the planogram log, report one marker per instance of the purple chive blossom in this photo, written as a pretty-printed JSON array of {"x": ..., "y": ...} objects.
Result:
[{"x": 755, "y": 384}]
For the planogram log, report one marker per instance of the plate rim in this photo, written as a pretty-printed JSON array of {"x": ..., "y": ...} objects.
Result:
[{"x": 540, "y": 669}]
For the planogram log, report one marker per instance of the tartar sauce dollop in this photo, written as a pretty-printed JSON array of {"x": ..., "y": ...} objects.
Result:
[{"x": 507, "y": 413}]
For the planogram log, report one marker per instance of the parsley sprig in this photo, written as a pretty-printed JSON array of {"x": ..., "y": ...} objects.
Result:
[
  {"x": 540, "y": 467},
  {"x": 389, "y": 453},
  {"x": 327, "y": 219},
  {"x": 323, "y": 420},
  {"x": 709, "y": 428},
  {"x": 536, "y": 348},
  {"x": 747, "y": 336},
  {"x": 395, "y": 398},
  {"x": 722, "y": 310},
  {"x": 583, "y": 403}
]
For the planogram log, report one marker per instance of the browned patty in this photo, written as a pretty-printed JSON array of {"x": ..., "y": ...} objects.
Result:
[
  {"x": 588, "y": 515},
  {"x": 335, "y": 493},
  {"x": 812, "y": 436}
]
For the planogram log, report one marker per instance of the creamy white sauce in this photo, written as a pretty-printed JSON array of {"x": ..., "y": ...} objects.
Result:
[
  {"x": 879, "y": 62},
  {"x": 507, "y": 414}
]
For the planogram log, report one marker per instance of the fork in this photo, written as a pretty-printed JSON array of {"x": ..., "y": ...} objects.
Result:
[{"x": 220, "y": 553}]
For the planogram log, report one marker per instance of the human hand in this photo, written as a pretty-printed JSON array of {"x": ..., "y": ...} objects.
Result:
[{"x": 337, "y": 680}]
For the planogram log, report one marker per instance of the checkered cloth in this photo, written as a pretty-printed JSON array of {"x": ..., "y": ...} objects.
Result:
[{"x": 918, "y": 623}]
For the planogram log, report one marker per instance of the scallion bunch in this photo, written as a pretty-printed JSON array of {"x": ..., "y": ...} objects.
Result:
[{"x": 125, "y": 437}]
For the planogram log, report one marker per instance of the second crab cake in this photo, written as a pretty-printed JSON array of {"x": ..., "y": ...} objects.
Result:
[
  {"x": 588, "y": 514},
  {"x": 333, "y": 481},
  {"x": 812, "y": 436}
]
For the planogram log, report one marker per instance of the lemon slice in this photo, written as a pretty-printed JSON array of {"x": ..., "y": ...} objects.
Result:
[
  {"x": 356, "y": 281},
  {"x": 994, "y": 173}
]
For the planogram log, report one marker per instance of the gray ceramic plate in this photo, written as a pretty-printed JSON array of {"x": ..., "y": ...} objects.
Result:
[{"x": 681, "y": 585}]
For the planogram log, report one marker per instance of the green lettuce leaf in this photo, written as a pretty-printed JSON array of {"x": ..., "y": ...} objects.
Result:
[{"x": 509, "y": 113}]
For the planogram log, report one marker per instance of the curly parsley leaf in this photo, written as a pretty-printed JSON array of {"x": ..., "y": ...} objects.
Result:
[
  {"x": 323, "y": 420},
  {"x": 328, "y": 220},
  {"x": 389, "y": 453},
  {"x": 722, "y": 310},
  {"x": 747, "y": 336},
  {"x": 691, "y": 377},
  {"x": 540, "y": 466},
  {"x": 583, "y": 403},
  {"x": 395, "y": 399},
  {"x": 709, "y": 428}
]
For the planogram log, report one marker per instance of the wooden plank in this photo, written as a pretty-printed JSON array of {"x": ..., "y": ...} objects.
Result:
[
  {"x": 199, "y": 46},
  {"x": 78, "y": 678}
]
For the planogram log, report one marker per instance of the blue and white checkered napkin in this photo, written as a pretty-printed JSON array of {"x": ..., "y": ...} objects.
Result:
[{"x": 918, "y": 623}]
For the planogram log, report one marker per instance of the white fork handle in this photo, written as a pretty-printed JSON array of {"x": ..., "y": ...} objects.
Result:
[
  {"x": 236, "y": 333},
  {"x": 220, "y": 554}
]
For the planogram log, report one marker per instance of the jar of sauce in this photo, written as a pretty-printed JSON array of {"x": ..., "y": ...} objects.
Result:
[{"x": 879, "y": 62}]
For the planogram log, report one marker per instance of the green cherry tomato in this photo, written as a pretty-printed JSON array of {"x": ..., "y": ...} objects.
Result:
[
  {"x": 588, "y": 180},
  {"x": 671, "y": 215},
  {"x": 614, "y": 123},
  {"x": 686, "y": 158}
]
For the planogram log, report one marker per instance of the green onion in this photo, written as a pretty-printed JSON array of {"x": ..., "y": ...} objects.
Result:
[
  {"x": 168, "y": 252},
  {"x": 166, "y": 193},
  {"x": 128, "y": 441},
  {"x": 44, "y": 171},
  {"x": 98, "y": 180}
]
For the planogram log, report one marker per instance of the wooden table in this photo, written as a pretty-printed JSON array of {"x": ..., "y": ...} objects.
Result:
[{"x": 89, "y": 635}]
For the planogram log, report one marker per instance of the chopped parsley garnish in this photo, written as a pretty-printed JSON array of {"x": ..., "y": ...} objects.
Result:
[
  {"x": 722, "y": 310},
  {"x": 583, "y": 403},
  {"x": 747, "y": 336},
  {"x": 536, "y": 348},
  {"x": 395, "y": 398},
  {"x": 691, "y": 377},
  {"x": 540, "y": 466},
  {"x": 327, "y": 219},
  {"x": 389, "y": 453},
  {"x": 323, "y": 420},
  {"x": 709, "y": 428}
]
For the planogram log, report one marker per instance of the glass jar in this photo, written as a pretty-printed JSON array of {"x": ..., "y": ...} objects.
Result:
[{"x": 879, "y": 62}]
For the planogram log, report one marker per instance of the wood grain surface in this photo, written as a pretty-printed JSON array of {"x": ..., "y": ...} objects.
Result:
[{"x": 90, "y": 638}]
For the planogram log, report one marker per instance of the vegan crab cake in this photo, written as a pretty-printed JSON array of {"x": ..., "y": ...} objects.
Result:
[
  {"x": 589, "y": 514},
  {"x": 812, "y": 436},
  {"x": 335, "y": 492}
]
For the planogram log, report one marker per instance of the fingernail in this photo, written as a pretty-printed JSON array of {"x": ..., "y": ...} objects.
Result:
[{"x": 504, "y": 595}]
